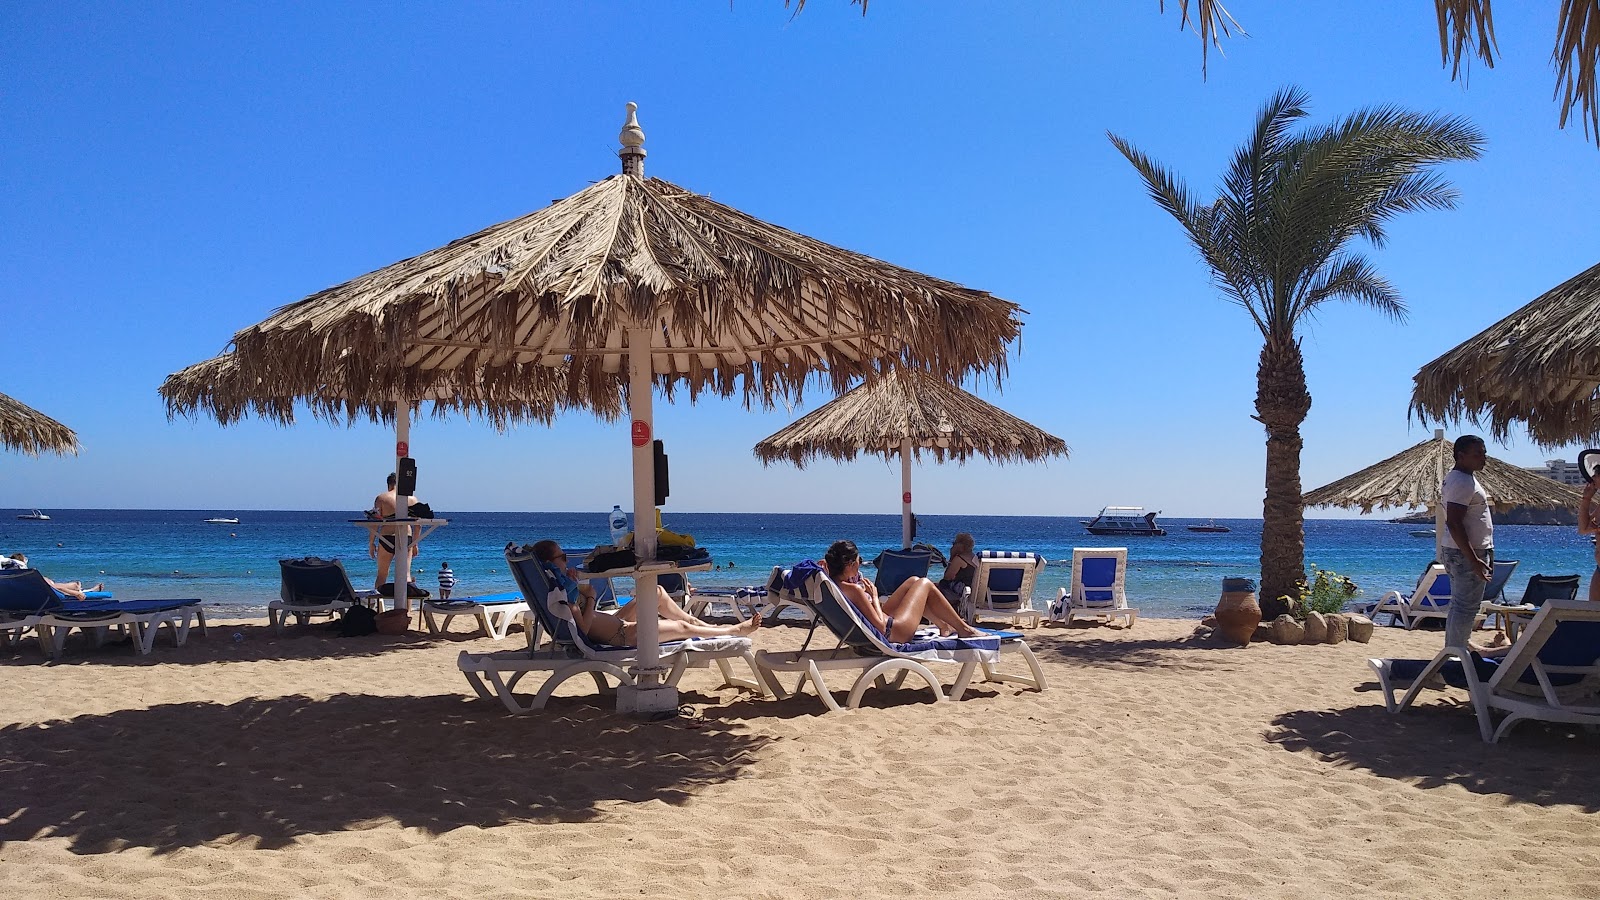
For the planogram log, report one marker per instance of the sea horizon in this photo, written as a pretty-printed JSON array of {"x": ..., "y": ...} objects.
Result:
[{"x": 163, "y": 553}]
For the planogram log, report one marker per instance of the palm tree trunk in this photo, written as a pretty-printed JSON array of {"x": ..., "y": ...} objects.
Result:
[{"x": 1282, "y": 402}]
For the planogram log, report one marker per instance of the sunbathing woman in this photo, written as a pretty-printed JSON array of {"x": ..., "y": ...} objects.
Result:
[
  {"x": 621, "y": 628},
  {"x": 71, "y": 590},
  {"x": 899, "y": 614}
]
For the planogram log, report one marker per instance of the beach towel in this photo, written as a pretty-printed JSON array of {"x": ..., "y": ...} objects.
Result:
[{"x": 795, "y": 579}]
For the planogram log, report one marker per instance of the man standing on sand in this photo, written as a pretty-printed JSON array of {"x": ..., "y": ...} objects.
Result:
[
  {"x": 1468, "y": 541},
  {"x": 380, "y": 540}
]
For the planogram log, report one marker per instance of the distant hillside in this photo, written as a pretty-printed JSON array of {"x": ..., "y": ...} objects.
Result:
[{"x": 1516, "y": 515}]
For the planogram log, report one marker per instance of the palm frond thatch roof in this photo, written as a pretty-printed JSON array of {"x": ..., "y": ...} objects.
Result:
[
  {"x": 935, "y": 416},
  {"x": 220, "y": 386},
  {"x": 1411, "y": 478},
  {"x": 535, "y": 314},
  {"x": 1538, "y": 367},
  {"x": 26, "y": 430}
]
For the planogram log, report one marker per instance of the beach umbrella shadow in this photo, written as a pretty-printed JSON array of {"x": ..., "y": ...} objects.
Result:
[
  {"x": 1436, "y": 744},
  {"x": 268, "y": 771}
]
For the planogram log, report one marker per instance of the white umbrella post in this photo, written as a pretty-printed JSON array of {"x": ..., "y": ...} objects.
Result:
[
  {"x": 905, "y": 493},
  {"x": 1438, "y": 503},
  {"x": 648, "y": 694},
  {"x": 402, "y": 509}
]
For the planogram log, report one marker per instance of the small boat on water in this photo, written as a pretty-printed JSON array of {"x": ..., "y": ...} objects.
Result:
[
  {"x": 34, "y": 516},
  {"x": 222, "y": 520},
  {"x": 1125, "y": 520},
  {"x": 1210, "y": 527},
  {"x": 1424, "y": 532}
]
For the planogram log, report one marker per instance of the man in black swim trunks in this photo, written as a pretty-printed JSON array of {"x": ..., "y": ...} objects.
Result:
[{"x": 381, "y": 540}]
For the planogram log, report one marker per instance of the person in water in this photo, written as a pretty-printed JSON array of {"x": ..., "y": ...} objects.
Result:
[
  {"x": 899, "y": 614},
  {"x": 621, "y": 628}
]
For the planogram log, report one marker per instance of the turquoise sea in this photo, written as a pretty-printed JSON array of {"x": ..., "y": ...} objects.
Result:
[{"x": 173, "y": 553}]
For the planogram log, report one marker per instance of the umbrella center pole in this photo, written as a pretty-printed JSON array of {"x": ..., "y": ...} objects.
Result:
[{"x": 649, "y": 692}]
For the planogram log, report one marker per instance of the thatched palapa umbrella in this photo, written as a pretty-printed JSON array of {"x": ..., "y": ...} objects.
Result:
[
  {"x": 1538, "y": 367},
  {"x": 909, "y": 413},
  {"x": 26, "y": 430},
  {"x": 1414, "y": 477},
  {"x": 629, "y": 283}
]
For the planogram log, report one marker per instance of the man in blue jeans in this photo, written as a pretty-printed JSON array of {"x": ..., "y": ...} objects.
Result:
[{"x": 1468, "y": 541}]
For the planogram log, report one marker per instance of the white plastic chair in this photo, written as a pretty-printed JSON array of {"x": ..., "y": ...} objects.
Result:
[
  {"x": 1099, "y": 576},
  {"x": 1002, "y": 588}
]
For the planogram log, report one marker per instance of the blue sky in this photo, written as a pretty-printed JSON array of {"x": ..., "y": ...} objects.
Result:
[{"x": 171, "y": 173}]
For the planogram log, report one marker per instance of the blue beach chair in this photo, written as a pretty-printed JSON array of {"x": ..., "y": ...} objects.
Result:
[
  {"x": 896, "y": 567},
  {"x": 495, "y": 675},
  {"x": 24, "y": 595},
  {"x": 1551, "y": 673},
  {"x": 1430, "y": 599},
  {"x": 312, "y": 586},
  {"x": 1003, "y": 585},
  {"x": 1099, "y": 576},
  {"x": 495, "y": 612},
  {"x": 867, "y": 651}
]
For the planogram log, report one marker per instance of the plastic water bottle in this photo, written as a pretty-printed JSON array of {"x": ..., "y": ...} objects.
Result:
[{"x": 619, "y": 525}]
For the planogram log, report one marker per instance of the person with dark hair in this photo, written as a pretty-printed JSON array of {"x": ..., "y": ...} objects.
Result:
[
  {"x": 381, "y": 540},
  {"x": 960, "y": 569},
  {"x": 621, "y": 628},
  {"x": 1468, "y": 542},
  {"x": 899, "y": 614}
]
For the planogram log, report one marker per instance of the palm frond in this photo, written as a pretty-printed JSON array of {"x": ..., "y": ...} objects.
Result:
[
  {"x": 1211, "y": 21},
  {"x": 1576, "y": 52},
  {"x": 1352, "y": 277},
  {"x": 1462, "y": 22}
]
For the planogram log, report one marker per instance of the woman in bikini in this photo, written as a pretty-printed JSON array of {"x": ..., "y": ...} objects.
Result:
[
  {"x": 621, "y": 628},
  {"x": 961, "y": 568},
  {"x": 899, "y": 614}
]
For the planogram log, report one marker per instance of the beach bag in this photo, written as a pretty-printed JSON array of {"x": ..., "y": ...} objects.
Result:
[
  {"x": 415, "y": 591},
  {"x": 357, "y": 621},
  {"x": 616, "y": 559},
  {"x": 420, "y": 510},
  {"x": 392, "y": 622}
]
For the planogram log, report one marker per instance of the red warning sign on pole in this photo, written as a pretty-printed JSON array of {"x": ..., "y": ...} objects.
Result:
[
  {"x": 641, "y": 432},
  {"x": 401, "y": 448},
  {"x": 906, "y": 497}
]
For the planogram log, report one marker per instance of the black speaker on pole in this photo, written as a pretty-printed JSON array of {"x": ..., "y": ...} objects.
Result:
[
  {"x": 663, "y": 483},
  {"x": 405, "y": 477}
]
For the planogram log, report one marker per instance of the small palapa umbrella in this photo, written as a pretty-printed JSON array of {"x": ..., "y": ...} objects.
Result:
[
  {"x": 909, "y": 413},
  {"x": 1538, "y": 367},
  {"x": 628, "y": 284},
  {"x": 26, "y": 430},
  {"x": 1415, "y": 476}
]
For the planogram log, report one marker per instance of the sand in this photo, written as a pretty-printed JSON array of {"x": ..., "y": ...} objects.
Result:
[{"x": 1155, "y": 765}]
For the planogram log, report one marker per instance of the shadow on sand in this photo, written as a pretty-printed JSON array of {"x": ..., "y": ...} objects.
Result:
[
  {"x": 1436, "y": 744},
  {"x": 268, "y": 771}
]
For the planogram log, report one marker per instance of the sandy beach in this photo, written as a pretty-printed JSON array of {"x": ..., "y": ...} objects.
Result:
[{"x": 1156, "y": 764}]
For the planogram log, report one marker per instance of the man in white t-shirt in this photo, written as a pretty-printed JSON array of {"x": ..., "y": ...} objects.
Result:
[{"x": 1468, "y": 541}]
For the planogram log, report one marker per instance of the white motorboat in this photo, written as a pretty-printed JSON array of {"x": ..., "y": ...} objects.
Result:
[
  {"x": 1125, "y": 520},
  {"x": 34, "y": 516},
  {"x": 223, "y": 520}
]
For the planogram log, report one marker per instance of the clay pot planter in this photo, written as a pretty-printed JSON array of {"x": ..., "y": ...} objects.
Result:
[{"x": 1238, "y": 613}]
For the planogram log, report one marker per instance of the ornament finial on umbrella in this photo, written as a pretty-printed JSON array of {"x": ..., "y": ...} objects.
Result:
[{"x": 632, "y": 138}]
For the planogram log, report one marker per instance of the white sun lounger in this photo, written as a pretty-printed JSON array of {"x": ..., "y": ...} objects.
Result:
[
  {"x": 1551, "y": 673},
  {"x": 495, "y": 612},
  {"x": 496, "y": 675},
  {"x": 1099, "y": 576},
  {"x": 866, "y": 651}
]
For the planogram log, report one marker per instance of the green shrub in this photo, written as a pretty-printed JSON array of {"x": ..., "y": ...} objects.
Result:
[{"x": 1328, "y": 592}]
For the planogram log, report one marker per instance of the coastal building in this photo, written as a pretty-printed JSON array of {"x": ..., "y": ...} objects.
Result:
[{"x": 1559, "y": 470}]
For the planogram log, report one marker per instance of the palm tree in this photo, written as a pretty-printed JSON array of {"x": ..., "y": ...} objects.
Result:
[{"x": 1276, "y": 240}]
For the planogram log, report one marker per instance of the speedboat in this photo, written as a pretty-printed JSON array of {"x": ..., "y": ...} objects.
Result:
[
  {"x": 34, "y": 516},
  {"x": 221, "y": 520},
  {"x": 1424, "y": 532},
  {"x": 1125, "y": 520},
  {"x": 1210, "y": 527}
]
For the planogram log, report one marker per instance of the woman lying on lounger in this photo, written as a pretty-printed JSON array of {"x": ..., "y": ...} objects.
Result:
[
  {"x": 898, "y": 614},
  {"x": 621, "y": 628},
  {"x": 71, "y": 590}
]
